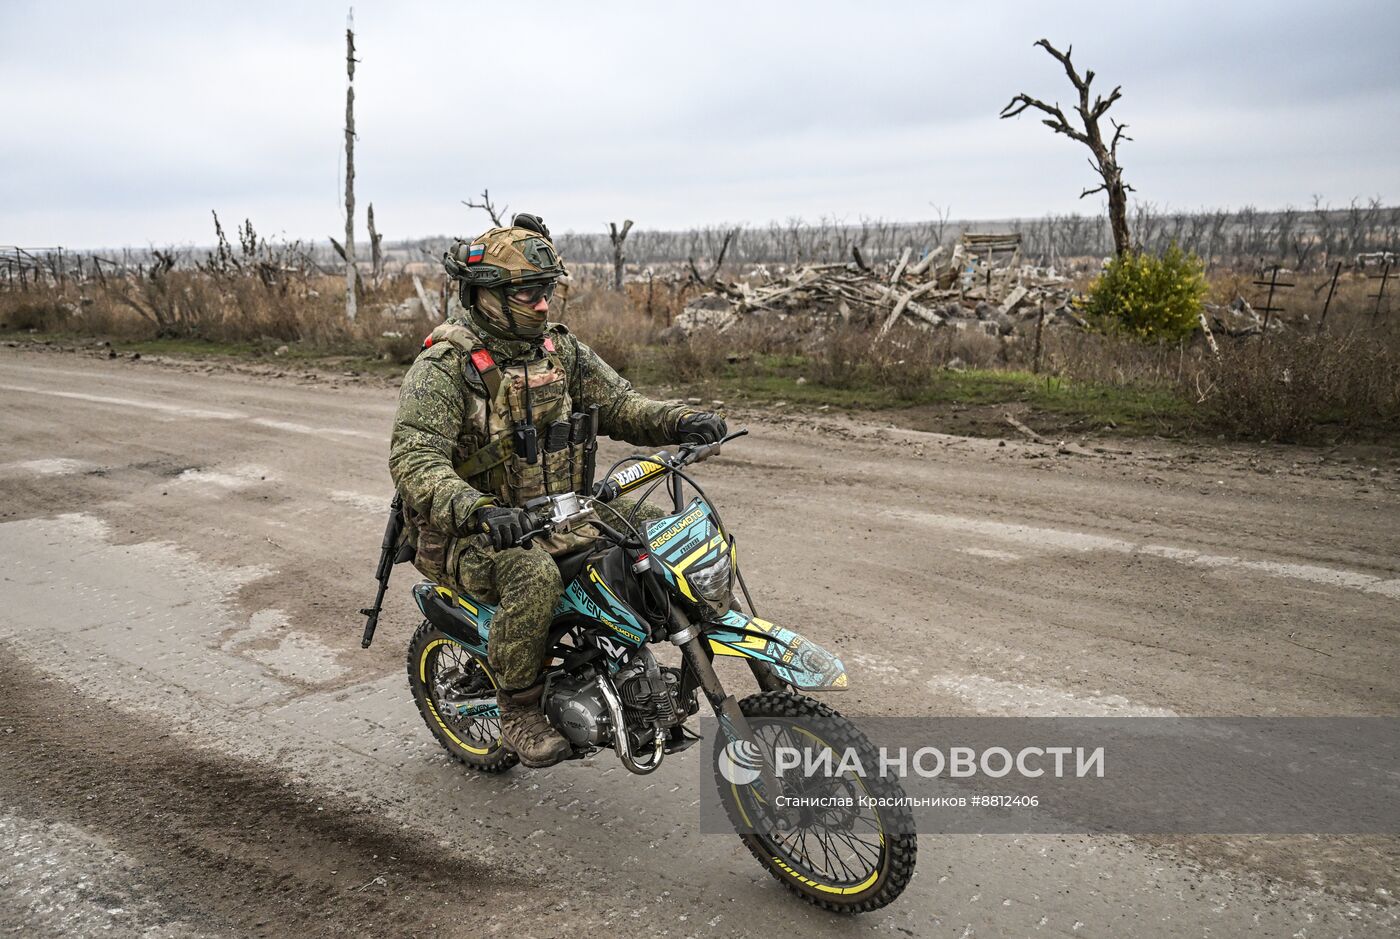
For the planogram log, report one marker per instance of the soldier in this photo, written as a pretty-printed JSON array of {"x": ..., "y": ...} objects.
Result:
[{"x": 483, "y": 426}]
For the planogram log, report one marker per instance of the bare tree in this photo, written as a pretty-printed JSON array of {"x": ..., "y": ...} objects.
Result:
[
  {"x": 1105, "y": 155},
  {"x": 349, "y": 249},
  {"x": 944, "y": 213},
  {"x": 618, "y": 237},
  {"x": 728, "y": 237},
  {"x": 376, "y": 248},
  {"x": 487, "y": 206}
]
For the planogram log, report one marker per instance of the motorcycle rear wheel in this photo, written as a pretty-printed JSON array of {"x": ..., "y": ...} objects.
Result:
[
  {"x": 840, "y": 860},
  {"x": 439, "y": 667}
]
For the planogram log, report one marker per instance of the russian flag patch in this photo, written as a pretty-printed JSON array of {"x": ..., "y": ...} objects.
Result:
[{"x": 476, "y": 253}]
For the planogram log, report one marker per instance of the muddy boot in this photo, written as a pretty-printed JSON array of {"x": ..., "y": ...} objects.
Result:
[{"x": 525, "y": 729}]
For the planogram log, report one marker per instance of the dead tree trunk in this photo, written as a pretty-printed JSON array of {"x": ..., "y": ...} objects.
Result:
[
  {"x": 1105, "y": 155},
  {"x": 376, "y": 248},
  {"x": 618, "y": 236},
  {"x": 350, "y": 170}
]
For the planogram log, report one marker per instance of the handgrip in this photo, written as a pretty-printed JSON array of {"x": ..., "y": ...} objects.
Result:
[{"x": 371, "y": 625}]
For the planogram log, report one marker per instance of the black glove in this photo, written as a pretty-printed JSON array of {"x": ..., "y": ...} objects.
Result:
[
  {"x": 504, "y": 526},
  {"x": 701, "y": 427}
]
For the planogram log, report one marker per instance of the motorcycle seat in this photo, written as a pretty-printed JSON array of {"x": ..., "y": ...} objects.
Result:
[{"x": 571, "y": 563}]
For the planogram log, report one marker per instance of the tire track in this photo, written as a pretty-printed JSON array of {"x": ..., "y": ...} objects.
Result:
[{"x": 224, "y": 845}]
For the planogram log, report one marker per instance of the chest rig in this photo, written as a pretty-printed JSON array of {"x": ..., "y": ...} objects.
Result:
[{"x": 522, "y": 437}]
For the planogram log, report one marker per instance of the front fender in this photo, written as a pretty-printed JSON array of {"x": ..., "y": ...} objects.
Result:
[{"x": 797, "y": 661}]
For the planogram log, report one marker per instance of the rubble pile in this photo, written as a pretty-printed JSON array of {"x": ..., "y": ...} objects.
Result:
[
  {"x": 967, "y": 287},
  {"x": 1238, "y": 319}
]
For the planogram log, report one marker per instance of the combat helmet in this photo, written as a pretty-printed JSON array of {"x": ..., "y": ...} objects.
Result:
[{"x": 504, "y": 259}]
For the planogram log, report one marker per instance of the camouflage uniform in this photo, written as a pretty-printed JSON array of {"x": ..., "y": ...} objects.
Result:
[
  {"x": 525, "y": 583},
  {"x": 443, "y": 419}
]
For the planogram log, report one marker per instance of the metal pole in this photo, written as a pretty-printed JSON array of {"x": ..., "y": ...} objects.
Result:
[
  {"x": 1269, "y": 303},
  {"x": 1336, "y": 272},
  {"x": 1385, "y": 278}
]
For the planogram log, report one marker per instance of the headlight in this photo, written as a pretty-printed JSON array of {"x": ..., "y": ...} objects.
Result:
[{"x": 712, "y": 582}]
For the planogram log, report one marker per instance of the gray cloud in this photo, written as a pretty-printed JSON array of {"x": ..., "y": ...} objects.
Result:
[{"x": 135, "y": 122}]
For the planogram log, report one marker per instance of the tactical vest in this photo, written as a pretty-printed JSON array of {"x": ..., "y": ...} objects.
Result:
[{"x": 486, "y": 450}]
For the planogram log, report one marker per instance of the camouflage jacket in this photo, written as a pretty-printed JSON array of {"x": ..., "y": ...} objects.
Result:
[{"x": 435, "y": 403}]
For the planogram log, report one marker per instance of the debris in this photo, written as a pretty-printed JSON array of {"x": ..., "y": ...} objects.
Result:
[
  {"x": 941, "y": 288},
  {"x": 1301, "y": 646},
  {"x": 1014, "y": 299},
  {"x": 414, "y": 308},
  {"x": 1024, "y": 430},
  {"x": 424, "y": 300},
  {"x": 1210, "y": 338}
]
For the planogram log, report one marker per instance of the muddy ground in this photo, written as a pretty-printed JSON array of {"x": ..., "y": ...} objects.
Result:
[{"x": 192, "y": 742}]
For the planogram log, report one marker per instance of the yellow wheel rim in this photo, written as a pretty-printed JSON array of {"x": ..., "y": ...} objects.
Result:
[{"x": 432, "y": 706}]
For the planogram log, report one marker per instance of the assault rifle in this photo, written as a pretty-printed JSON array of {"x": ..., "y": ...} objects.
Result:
[{"x": 388, "y": 556}]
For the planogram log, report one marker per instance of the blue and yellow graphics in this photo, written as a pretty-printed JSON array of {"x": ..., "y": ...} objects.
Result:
[
  {"x": 798, "y": 661},
  {"x": 687, "y": 543},
  {"x": 694, "y": 556}
]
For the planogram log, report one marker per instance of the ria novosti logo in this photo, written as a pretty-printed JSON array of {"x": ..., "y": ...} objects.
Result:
[{"x": 740, "y": 762}]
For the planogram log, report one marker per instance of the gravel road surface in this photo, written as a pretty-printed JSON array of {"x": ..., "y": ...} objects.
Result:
[{"x": 192, "y": 742}]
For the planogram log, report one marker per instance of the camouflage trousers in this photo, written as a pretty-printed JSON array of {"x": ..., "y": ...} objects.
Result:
[{"x": 524, "y": 585}]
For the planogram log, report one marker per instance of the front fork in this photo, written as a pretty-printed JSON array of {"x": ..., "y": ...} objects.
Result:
[
  {"x": 767, "y": 679},
  {"x": 733, "y": 724}
]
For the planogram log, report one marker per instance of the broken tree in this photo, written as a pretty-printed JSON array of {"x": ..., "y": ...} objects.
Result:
[
  {"x": 618, "y": 237},
  {"x": 1105, "y": 155}
]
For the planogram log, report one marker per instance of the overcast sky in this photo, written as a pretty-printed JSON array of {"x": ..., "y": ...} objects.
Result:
[{"x": 125, "y": 123}]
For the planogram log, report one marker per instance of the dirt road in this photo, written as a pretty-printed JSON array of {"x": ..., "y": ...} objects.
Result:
[{"x": 192, "y": 742}]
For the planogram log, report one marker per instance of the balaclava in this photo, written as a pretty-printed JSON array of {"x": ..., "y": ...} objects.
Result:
[{"x": 515, "y": 322}]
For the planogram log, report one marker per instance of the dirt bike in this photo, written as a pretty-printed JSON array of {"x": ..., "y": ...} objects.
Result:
[{"x": 672, "y": 581}]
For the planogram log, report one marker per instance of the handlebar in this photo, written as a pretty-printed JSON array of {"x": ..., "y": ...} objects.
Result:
[
  {"x": 698, "y": 453},
  {"x": 648, "y": 468},
  {"x": 546, "y": 528},
  {"x": 546, "y": 515}
]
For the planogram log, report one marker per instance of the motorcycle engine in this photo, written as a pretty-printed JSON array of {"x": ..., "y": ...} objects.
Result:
[
  {"x": 576, "y": 708},
  {"x": 650, "y": 694}
]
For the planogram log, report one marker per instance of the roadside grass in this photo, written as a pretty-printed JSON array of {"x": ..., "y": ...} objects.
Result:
[
  {"x": 1050, "y": 401},
  {"x": 765, "y": 380},
  {"x": 1302, "y": 384},
  {"x": 354, "y": 357}
]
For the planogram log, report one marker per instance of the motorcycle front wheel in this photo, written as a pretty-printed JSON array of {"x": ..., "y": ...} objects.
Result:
[
  {"x": 848, "y": 856},
  {"x": 456, "y": 694}
]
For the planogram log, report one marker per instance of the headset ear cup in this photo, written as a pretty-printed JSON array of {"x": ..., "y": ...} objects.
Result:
[{"x": 531, "y": 223}]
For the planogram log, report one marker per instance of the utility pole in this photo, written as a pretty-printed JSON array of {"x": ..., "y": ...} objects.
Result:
[{"x": 350, "y": 167}]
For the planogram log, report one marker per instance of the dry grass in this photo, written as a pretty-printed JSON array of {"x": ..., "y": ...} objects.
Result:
[
  {"x": 1295, "y": 385},
  {"x": 222, "y": 309},
  {"x": 1305, "y": 387}
]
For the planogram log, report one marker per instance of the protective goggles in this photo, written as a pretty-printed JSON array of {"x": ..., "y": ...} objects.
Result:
[{"x": 530, "y": 294}]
